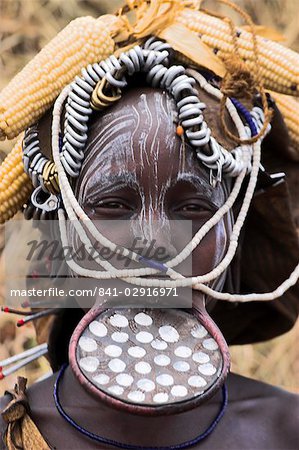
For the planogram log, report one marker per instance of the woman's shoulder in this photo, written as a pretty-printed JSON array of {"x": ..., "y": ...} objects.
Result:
[
  {"x": 244, "y": 388},
  {"x": 270, "y": 412},
  {"x": 259, "y": 415}
]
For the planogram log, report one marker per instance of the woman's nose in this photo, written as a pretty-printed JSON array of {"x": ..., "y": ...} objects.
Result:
[{"x": 155, "y": 237}]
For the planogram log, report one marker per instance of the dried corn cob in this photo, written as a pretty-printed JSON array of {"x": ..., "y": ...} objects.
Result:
[
  {"x": 279, "y": 66},
  {"x": 289, "y": 108},
  {"x": 30, "y": 93},
  {"x": 15, "y": 185}
]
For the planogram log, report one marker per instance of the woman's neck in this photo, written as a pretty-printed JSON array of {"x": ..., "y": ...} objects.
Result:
[{"x": 101, "y": 419}]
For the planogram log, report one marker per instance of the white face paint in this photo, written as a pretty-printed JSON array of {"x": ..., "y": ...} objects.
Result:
[{"x": 133, "y": 152}]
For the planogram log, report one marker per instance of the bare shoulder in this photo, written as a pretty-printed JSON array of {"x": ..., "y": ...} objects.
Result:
[
  {"x": 243, "y": 388},
  {"x": 259, "y": 416},
  {"x": 272, "y": 412}
]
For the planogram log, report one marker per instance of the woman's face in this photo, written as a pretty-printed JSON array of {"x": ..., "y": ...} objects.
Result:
[{"x": 136, "y": 169}]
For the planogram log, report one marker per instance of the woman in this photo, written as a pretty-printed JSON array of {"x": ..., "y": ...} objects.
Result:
[{"x": 137, "y": 168}]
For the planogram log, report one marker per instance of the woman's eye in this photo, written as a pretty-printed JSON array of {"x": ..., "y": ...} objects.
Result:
[
  {"x": 193, "y": 208},
  {"x": 112, "y": 205}
]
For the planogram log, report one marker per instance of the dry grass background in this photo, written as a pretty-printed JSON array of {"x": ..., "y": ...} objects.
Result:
[{"x": 25, "y": 27}]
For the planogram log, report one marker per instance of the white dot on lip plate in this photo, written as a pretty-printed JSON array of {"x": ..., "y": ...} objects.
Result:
[
  {"x": 183, "y": 351},
  {"x": 87, "y": 344},
  {"x": 113, "y": 350},
  {"x": 136, "y": 396},
  {"x": 124, "y": 379},
  {"x": 200, "y": 357},
  {"x": 98, "y": 329},
  {"x": 102, "y": 378},
  {"x": 137, "y": 352},
  {"x": 210, "y": 344},
  {"x": 199, "y": 331},
  {"x": 143, "y": 367},
  {"x": 179, "y": 391},
  {"x": 143, "y": 319},
  {"x": 117, "y": 390},
  {"x": 89, "y": 363},
  {"x": 207, "y": 369},
  {"x": 162, "y": 360},
  {"x": 161, "y": 397},
  {"x": 117, "y": 365},
  {"x": 118, "y": 320},
  {"x": 164, "y": 379},
  {"x": 196, "y": 381},
  {"x": 169, "y": 333},
  {"x": 119, "y": 336},
  {"x": 181, "y": 366},
  {"x": 146, "y": 385},
  {"x": 159, "y": 345},
  {"x": 144, "y": 337}
]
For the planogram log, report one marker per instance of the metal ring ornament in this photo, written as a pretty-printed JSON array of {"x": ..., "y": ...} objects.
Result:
[
  {"x": 42, "y": 205},
  {"x": 44, "y": 177}
]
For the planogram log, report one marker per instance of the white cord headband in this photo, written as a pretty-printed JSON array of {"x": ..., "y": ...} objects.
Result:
[{"x": 74, "y": 211}]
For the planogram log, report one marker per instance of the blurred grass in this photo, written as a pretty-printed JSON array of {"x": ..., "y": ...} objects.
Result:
[{"x": 25, "y": 27}]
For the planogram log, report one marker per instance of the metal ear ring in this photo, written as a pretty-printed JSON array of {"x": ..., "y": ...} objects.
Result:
[{"x": 42, "y": 204}]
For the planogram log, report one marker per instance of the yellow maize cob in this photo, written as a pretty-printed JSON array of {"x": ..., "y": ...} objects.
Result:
[
  {"x": 289, "y": 108},
  {"x": 15, "y": 185},
  {"x": 30, "y": 93},
  {"x": 279, "y": 66}
]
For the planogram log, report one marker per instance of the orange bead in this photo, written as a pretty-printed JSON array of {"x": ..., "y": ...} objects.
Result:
[{"x": 179, "y": 130}]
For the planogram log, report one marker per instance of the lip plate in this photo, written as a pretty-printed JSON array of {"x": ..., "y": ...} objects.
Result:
[{"x": 173, "y": 408}]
